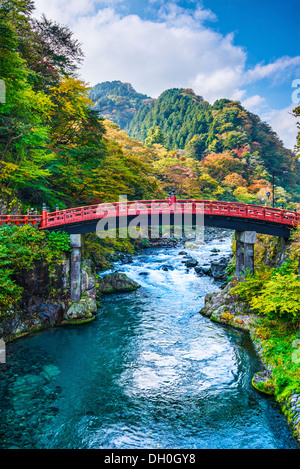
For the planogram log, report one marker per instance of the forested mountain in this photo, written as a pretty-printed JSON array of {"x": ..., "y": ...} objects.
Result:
[
  {"x": 193, "y": 124},
  {"x": 220, "y": 150},
  {"x": 117, "y": 101},
  {"x": 179, "y": 113}
]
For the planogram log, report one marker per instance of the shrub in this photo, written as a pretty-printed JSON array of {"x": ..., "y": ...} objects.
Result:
[
  {"x": 252, "y": 284},
  {"x": 279, "y": 297},
  {"x": 19, "y": 248}
]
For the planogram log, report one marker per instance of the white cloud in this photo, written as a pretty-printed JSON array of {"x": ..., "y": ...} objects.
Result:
[
  {"x": 260, "y": 71},
  {"x": 157, "y": 55},
  {"x": 175, "y": 50},
  {"x": 176, "y": 15},
  {"x": 255, "y": 103},
  {"x": 64, "y": 11},
  {"x": 282, "y": 121}
]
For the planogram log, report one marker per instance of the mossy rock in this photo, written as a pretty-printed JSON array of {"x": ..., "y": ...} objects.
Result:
[
  {"x": 77, "y": 322},
  {"x": 117, "y": 282},
  {"x": 82, "y": 310},
  {"x": 263, "y": 382}
]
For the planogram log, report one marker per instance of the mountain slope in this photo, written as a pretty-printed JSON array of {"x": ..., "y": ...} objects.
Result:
[
  {"x": 220, "y": 150},
  {"x": 117, "y": 101},
  {"x": 178, "y": 112},
  {"x": 189, "y": 123}
]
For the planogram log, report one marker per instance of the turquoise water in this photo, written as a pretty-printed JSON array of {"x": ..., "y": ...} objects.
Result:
[{"x": 149, "y": 372}]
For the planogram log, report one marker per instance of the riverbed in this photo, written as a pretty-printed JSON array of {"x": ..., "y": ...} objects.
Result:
[{"x": 148, "y": 372}]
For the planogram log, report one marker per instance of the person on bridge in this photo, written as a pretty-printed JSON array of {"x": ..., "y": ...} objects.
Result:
[{"x": 172, "y": 197}]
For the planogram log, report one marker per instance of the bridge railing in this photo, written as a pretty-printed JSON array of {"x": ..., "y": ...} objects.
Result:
[
  {"x": 72, "y": 215},
  {"x": 132, "y": 208},
  {"x": 257, "y": 212},
  {"x": 20, "y": 220}
]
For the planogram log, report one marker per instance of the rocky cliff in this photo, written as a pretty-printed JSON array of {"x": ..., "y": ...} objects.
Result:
[{"x": 46, "y": 300}]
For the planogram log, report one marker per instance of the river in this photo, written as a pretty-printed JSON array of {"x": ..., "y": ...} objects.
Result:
[{"x": 149, "y": 372}]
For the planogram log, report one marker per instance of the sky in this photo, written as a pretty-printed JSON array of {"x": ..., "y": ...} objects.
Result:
[{"x": 246, "y": 50}]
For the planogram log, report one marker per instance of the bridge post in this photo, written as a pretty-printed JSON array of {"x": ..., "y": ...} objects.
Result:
[
  {"x": 245, "y": 241},
  {"x": 76, "y": 245}
]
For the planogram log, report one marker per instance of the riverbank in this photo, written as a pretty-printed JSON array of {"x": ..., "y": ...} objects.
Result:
[
  {"x": 41, "y": 277},
  {"x": 275, "y": 343}
]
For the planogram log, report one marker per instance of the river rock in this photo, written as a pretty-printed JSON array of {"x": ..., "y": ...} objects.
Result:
[
  {"x": 190, "y": 262},
  {"x": 199, "y": 271},
  {"x": 25, "y": 386},
  {"x": 218, "y": 268},
  {"x": 203, "y": 270},
  {"x": 84, "y": 309},
  {"x": 87, "y": 276},
  {"x": 166, "y": 267},
  {"x": 50, "y": 371},
  {"x": 224, "y": 301},
  {"x": 49, "y": 312},
  {"x": 262, "y": 382},
  {"x": 126, "y": 259},
  {"x": 116, "y": 282}
]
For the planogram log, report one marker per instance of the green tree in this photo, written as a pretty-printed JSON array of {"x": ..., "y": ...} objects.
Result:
[
  {"x": 155, "y": 135},
  {"x": 23, "y": 134}
]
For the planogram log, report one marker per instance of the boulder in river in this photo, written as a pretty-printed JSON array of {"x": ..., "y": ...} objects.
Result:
[
  {"x": 190, "y": 262},
  {"x": 83, "y": 310},
  {"x": 117, "y": 282},
  {"x": 203, "y": 269},
  {"x": 218, "y": 268},
  {"x": 262, "y": 382},
  {"x": 166, "y": 267}
]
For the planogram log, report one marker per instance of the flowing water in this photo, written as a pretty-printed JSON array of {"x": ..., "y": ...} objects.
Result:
[{"x": 149, "y": 372}]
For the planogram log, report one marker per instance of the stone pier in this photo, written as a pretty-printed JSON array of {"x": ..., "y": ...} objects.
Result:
[
  {"x": 76, "y": 245},
  {"x": 245, "y": 241}
]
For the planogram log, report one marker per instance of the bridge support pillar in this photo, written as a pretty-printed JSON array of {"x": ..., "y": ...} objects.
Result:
[
  {"x": 76, "y": 245},
  {"x": 245, "y": 241}
]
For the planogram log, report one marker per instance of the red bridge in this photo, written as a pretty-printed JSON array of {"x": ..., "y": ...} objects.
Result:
[{"x": 228, "y": 215}]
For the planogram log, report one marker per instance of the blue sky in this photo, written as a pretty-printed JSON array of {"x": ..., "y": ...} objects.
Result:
[{"x": 248, "y": 50}]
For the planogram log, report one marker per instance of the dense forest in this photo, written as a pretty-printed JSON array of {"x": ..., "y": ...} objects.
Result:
[
  {"x": 219, "y": 151},
  {"x": 53, "y": 144},
  {"x": 225, "y": 137}
]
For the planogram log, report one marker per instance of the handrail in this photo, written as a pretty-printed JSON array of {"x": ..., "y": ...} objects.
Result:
[
  {"x": 20, "y": 219},
  {"x": 137, "y": 207}
]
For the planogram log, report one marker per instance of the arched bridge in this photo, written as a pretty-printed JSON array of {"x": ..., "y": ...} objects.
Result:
[
  {"x": 229, "y": 215},
  {"x": 246, "y": 220}
]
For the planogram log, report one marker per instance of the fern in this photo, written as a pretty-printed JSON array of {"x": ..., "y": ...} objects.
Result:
[{"x": 279, "y": 298}]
